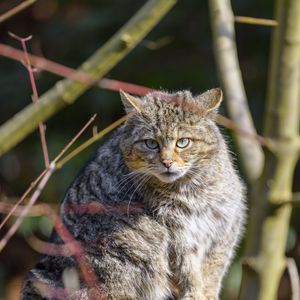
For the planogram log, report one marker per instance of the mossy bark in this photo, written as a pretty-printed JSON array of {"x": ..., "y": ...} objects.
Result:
[
  {"x": 270, "y": 200},
  {"x": 270, "y": 189}
]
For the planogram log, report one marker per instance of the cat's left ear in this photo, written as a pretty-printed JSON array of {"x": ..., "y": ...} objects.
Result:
[
  {"x": 211, "y": 100},
  {"x": 131, "y": 103}
]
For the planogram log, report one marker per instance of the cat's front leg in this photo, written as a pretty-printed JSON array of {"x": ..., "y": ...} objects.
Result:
[
  {"x": 191, "y": 278},
  {"x": 216, "y": 263}
]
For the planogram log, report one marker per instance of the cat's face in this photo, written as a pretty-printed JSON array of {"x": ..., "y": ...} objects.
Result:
[{"x": 171, "y": 135}]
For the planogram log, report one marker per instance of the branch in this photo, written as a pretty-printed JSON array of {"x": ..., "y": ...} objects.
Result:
[
  {"x": 255, "y": 21},
  {"x": 67, "y": 72},
  {"x": 65, "y": 92},
  {"x": 12, "y": 230},
  {"x": 35, "y": 96},
  {"x": 230, "y": 75},
  {"x": 35, "y": 211},
  {"x": 229, "y": 124},
  {"x": 39, "y": 178},
  {"x": 74, "y": 247},
  {"x": 16, "y": 10},
  {"x": 92, "y": 140}
]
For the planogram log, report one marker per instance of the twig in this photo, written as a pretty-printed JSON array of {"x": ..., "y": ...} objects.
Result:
[
  {"x": 75, "y": 248},
  {"x": 255, "y": 21},
  {"x": 28, "y": 191},
  {"x": 16, "y": 10},
  {"x": 93, "y": 139},
  {"x": 67, "y": 72},
  {"x": 35, "y": 210},
  {"x": 155, "y": 45},
  {"x": 48, "y": 248},
  {"x": 67, "y": 91},
  {"x": 12, "y": 230},
  {"x": 35, "y": 95},
  {"x": 229, "y": 124},
  {"x": 294, "y": 278},
  {"x": 91, "y": 208},
  {"x": 116, "y": 85},
  {"x": 65, "y": 149},
  {"x": 23, "y": 197}
]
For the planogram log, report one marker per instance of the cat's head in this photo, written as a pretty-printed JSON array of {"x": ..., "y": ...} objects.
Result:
[{"x": 170, "y": 135}]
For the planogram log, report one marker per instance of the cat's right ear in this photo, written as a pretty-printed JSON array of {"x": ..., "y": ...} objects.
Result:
[
  {"x": 131, "y": 103},
  {"x": 211, "y": 100}
]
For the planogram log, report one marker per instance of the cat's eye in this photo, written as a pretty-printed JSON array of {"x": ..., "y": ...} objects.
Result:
[
  {"x": 183, "y": 143},
  {"x": 152, "y": 144}
]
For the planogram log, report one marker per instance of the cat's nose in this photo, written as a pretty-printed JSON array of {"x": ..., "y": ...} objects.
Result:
[{"x": 167, "y": 163}]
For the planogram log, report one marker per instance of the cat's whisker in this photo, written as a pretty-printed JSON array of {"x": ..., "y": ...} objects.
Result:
[
  {"x": 139, "y": 187},
  {"x": 138, "y": 178},
  {"x": 127, "y": 178},
  {"x": 123, "y": 182}
]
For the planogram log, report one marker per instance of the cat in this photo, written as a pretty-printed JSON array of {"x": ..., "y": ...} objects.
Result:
[{"x": 175, "y": 207}]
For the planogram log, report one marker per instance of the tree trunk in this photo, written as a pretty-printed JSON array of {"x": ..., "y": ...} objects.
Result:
[{"x": 270, "y": 208}]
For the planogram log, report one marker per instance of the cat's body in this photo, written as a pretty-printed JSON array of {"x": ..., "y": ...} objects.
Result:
[{"x": 173, "y": 209}]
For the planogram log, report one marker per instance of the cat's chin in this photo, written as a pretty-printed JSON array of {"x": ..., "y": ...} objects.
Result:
[{"x": 167, "y": 177}]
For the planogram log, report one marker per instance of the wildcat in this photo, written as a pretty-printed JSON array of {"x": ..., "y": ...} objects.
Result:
[{"x": 176, "y": 207}]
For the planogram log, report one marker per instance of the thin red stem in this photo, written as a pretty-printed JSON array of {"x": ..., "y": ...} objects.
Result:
[{"x": 35, "y": 95}]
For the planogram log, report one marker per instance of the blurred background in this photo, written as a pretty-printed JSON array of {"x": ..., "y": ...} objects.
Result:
[{"x": 176, "y": 55}]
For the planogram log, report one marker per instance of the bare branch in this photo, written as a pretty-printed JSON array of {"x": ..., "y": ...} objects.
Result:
[
  {"x": 75, "y": 138},
  {"x": 35, "y": 211},
  {"x": 230, "y": 75},
  {"x": 67, "y": 91},
  {"x": 16, "y": 10},
  {"x": 75, "y": 248},
  {"x": 92, "y": 140},
  {"x": 33, "y": 184},
  {"x": 24, "y": 196},
  {"x": 229, "y": 124},
  {"x": 12, "y": 230},
  {"x": 67, "y": 72},
  {"x": 255, "y": 21}
]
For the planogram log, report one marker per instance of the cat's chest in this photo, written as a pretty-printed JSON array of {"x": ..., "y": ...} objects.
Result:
[
  {"x": 194, "y": 220},
  {"x": 194, "y": 231},
  {"x": 199, "y": 227}
]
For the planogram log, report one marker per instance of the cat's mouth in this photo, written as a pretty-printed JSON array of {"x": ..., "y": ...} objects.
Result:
[{"x": 169, "y": 176}]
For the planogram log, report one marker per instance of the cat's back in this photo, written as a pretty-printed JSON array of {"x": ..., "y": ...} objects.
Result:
[
  {"x": 99, "y": 178},
  {"x": 100, "y": 200}
]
